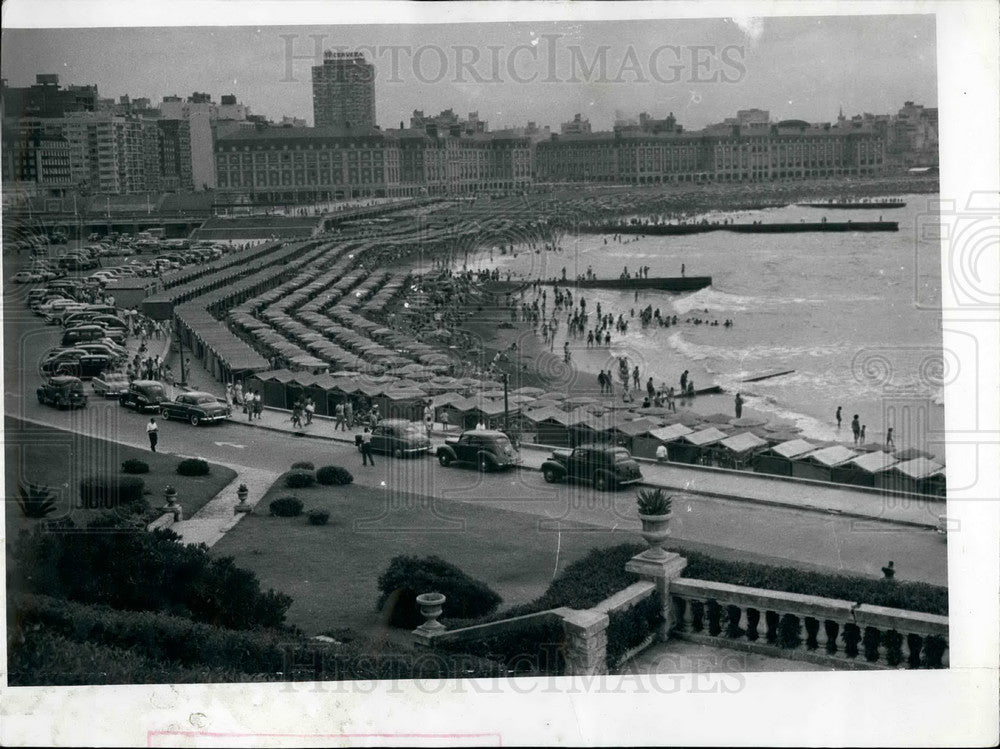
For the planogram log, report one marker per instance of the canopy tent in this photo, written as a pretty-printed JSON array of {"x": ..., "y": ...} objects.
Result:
[
  {"x": 860, "y": 471},
  {"x": 912, "y": 476},
  {"x": 694, "y": 446},
  {"x": 778, "y": 459},
  {"x": 818, "y": 465},
  {"x": 737, "y": 451}
]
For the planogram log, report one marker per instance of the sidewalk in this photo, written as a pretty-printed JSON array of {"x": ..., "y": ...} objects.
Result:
[
  {"x": 711, "y": 482},
  {"x": 212, "y": 521}
]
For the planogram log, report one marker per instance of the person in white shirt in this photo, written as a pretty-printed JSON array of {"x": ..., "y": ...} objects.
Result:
[
  {"x": 153, "y": 432},
  {"x": 661, "y": 452}
]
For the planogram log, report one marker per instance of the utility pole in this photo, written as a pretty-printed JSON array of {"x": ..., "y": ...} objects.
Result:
[{"x": 506, "y": 409}]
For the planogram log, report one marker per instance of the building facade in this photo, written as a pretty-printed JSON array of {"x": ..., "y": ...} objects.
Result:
[{"x": 344, "y": 91}]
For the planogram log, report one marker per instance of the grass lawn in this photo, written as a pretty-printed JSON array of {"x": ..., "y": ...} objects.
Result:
[
  {"x": 331, "y": 571},
  {"x": 59, "y": 459}
]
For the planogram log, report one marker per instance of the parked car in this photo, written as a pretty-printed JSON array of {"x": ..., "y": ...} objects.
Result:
[
  {"x": 26, "y": 276},
  {"x": 83, "y": 334},
  {"x": 144, "y": 395},
  {"x": 57, "y": 312},
  {"x": 605, "y": 466},
  {"x": 62, "y": 392},
  {"x": 109, "y": 321},
  {"x": 196, "y": 408},
  {"x": 399, "y": 438},
  {"x": 76, "y": 363},
  {"x": 487, "y": 449},
  {"x": 110, "y": 384},
  {"x": 106, "y": 348}
]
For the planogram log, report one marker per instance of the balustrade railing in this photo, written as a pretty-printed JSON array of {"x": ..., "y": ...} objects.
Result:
[{"x": 820, "y": 630}]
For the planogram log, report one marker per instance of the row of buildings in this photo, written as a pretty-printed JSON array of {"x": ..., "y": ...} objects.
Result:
[{"x": 58, "y": 140}]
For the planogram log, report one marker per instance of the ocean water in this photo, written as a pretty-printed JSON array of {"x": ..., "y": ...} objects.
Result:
[{"x": 839, "y": 309}]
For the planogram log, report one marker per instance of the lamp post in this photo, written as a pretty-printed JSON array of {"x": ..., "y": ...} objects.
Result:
[{"x": 506, "y": 409}]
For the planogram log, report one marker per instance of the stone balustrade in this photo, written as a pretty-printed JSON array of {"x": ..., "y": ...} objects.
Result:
[{"x": 824, "y": 631}]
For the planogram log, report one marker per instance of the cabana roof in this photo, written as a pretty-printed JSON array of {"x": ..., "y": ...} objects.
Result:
[
  {"x": 793, "y": 448},
  {"x": 704, "y": 437},
  {"x": 670, "y": 433},
  {"x": 918, "y": 468},
  {"x": 743, "y": 442},
  {"x": 873, "y": 462},
  {"x": 829, "y": 456}
]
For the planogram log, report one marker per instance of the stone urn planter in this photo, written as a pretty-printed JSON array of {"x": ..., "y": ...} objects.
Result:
[
  {"x": 431, "y": 606},
  {"x": 655, "y": 531},
  {"x": 170, "y": 497},
  {"x": 241, "y": 494},
  {"x": 654, "y": 512}
]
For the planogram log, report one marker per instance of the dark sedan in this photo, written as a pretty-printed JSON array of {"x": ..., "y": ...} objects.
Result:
[
  {"x": 144, "y": 395},
  {"x": 196, "y": 408},
  {"x": 399, "y": 438}
]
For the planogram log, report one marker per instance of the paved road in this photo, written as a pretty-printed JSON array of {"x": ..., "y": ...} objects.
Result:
[{"x": 761, "y": 532}]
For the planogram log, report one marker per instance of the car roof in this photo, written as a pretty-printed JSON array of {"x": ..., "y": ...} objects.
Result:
[
  {"x": 63, "y": 380},
  {"x": 396, "y": 423},
  {"x": 146, "y": 383},
  {"x": 200, "y": 393},
  {"x": 483, "y": 433}
]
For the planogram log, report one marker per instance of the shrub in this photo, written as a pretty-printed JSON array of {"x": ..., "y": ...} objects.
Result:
[
  {"x": 653, "y": 502},
  {"x": 303, "y": 465},
  {"x": 192, "y": 467},
  {"x": 629, "y": 628},
  {"x": 140, "y": 572},
  {"x": 134, "y": 465},
  {"x": 318, "y": 517},
  {"x": 110, "y": 491},
  {"x": 333, "y": 476},
  {"x": 299, "y": 479},
  {"x": 408, "y": 576},
  {"x": 286, "y": 507},
  {"x": 35, "y": 501},
  {"x": 532, "y": 648}
]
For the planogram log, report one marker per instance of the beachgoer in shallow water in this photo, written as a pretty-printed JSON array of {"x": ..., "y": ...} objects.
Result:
[
  {"x": 839, "y": 417},
  {"x": 856, "y": 428},
  {"x": 739, "y": 406},
  {"x": 888, "y": 439}
]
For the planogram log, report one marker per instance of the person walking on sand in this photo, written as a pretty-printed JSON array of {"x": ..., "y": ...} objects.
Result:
[
  {"x": 739, "y": 406},
  {"x": 153, "y": 432},
  {"x": 856, "y": 428},
  {"x": 366, "y": 448},
  {"x": 888, "y": 439},
  {"x": 684, "y": 381},
  {"x": 861, "y": 438},
  {"x": 839, "y": 417},
  {"x": 428, "y": 419}
]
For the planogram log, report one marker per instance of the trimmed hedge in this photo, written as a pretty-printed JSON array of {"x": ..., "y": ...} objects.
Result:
[
  {"x": 110, "y": 491},
  {"x": 193, "y": 467},
  {"x": 601, "y": 573},
  {"x": 120, "y": 565},
  {"x": 409, "y": 576},
  {"x": 318, "y": 517},
  {"x": 135, "y": 466},
  {"x": 629, "y": 628},
  {"x": 303, "y": 465},
  {"x": 299, "y": 479},
  {"x": 286, "y": 507},
  {"x": 59, "y": 642},
  {"x": 333, "y": 476}
]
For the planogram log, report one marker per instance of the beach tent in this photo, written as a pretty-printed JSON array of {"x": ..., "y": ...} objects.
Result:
[
  {"x": 935, "y": 484},
  {"x": 908, "y": 476},
  {"x": 634, "y": 435},
  {"x": 551, "y": 426},
  {"x": 861, "y": 471},
  {"x": 694, "y": 447},
  {"x": 778, "y": 459},
  {"x": 645, "y": 445},
  {"x": 819, "y": 465},
  {"x": 737, "y": 451}
]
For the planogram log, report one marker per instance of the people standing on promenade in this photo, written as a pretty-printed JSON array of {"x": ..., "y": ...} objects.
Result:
[
  {"x": 635, "y": 377},
  {"x": 297, "y": 414},
  {"x": 428, "y": 419},
  {"x": 153, "y": 432},
  {"x": 258, "y": 404},
  {"x": 856, "y": 428},
  {"x": 739, "y": 406},
  {"x": 600, "y": 381},
  {"x": 310, "y": 410},
  {"x": 888, "y": 439},
  {"x": 366, "y": 448},
  {"x": 238, "y": 394},
  {"x": 839, "y": 417}
]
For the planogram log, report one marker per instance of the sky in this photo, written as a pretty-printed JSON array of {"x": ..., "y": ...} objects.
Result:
[{"x": 700, "y": 70}]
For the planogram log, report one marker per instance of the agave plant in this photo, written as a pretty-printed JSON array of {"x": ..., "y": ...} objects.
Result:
[
  {"x": 35, "y": 501},
  {"x": 654, "y": 502}
]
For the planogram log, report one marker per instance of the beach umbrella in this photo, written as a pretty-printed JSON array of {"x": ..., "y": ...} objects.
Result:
[
  {"x": 781, "y": 425},
  {"x": 748, "y": 421},
  {"x": 868, "y": 447},
  {"x": 686, "y": 418},
  {"x": 716, "y": 418},
  {"x": 555, "y": 396},
  {"x": 528, "y": 390},
  {"x": 579, "y": 400}
]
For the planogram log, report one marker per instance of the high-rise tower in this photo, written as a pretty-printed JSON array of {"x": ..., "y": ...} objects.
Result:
[{"x": 344, "y": 91}]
